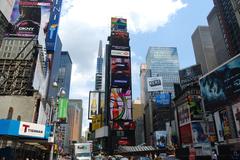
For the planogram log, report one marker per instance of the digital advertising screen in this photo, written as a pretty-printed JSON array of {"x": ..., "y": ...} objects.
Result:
[
  {"x": 186, "y": 134},
  {"x": 199, "y": 133},
  {"x": 28, "y": 16},
  {"x": 196, "y": 110},
  {"x": 118, "y": 24},
  {"x": 236, "y": 114},
  {"x": 120, "y": 39},
  {"x": 221, "y": 86},
  {"x": 120, "y": 104},
  {"x": 160, "y": 139},
  {"x": 120, "y": 72},
  {"x": 93, "y": 108},
  {"x": 154, "y": 84},
  {"x": 225, "y": 124},
  {"x": 163, "y": 100},
  {"x": 183, "y": 114}
]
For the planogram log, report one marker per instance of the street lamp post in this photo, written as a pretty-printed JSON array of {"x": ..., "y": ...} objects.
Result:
[{"x": 54, "y": 121}]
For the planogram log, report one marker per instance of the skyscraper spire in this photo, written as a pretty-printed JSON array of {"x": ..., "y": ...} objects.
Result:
[{"x": 100, "y": 49}]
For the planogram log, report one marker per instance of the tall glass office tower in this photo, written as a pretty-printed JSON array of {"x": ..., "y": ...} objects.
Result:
[
  {"x": 163, "y": 62},
  {"x": 98, "y": 79}
]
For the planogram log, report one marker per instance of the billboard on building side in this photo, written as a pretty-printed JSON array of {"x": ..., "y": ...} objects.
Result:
[
  {"x": 236, "y": 114},
  {"x": 190, "y": 76},
  {"x": 120, "y": 53},
  {"x": 222, "y": 85},
  {"x": 160, "y": 139},
  {"x": 28, "y": 17},
  {"x": 93, "y": 108},
  {"x": 163, "y": 100},
  {"x": 183, "y": 114},
  {"x": 186, "y": 134},
  {"x": 118, "y": 24},
  {"x": 199, "y": 133},
  {"x": 154, "y": 84}
]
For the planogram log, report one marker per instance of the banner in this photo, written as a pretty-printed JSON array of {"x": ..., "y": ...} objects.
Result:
[
  {"x": 62, "y": 108},
  {"x": 120, "y": 53},
  {"x": 121, "y": 104},
  {"x": 199, "y": 133},
  {"x": 196, "y": 109},
  {"x": 183, "y": 114},
  {"x": 154, "y": 84},
  {"x": 225, "y": 124},
  {"x": 221, "y": 86},
  {"x": 236, "y": 114},
  {"x": 219, "y": 128},
  {"x": 27, "y": 17},
  {"x": 190, "y": 76},
  {"x": 93, "y": 108}
]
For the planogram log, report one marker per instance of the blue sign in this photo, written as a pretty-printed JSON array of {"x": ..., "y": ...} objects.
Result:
[
  {"x": 163, "y": 99},
  {"x": 53, "y": 25}
]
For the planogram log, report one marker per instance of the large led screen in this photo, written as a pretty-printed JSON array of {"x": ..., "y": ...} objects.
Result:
[
  {"x": 120, "y": 39},
  {"x": 27, "y": 17},
  {"x": 222, "y": 86},
  {"x": 93, "y": 104},
  {"x": 120, "y": 72},
  {"x": 118, "y": 24},
  {"x": 120, "y": 104},
  {"x": 163, "y": 100},
  {"x": 199, "y": 133}
]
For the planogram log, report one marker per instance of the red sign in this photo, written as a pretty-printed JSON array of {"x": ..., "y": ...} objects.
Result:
[{"x": 186, "y": 134}]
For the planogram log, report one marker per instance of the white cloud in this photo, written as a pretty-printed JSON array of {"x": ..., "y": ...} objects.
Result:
[{"x": 85, "y": 22}]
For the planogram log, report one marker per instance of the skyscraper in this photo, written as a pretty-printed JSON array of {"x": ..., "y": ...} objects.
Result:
[
  {"x": 163, "y": 62},
  {"x": 203, "y": 49},
  {"x": 217, "y": 36},
  {"x": 98, "y": 78},
  {"x": 143, "y": 69},
  {"x": 229, "y": 20}
]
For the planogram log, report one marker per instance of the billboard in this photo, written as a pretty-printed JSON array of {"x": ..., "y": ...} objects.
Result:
[
  {"x": 160, "y": 139},
  {"x": 120, "y": 104},
  {"x": 121, "y": 48},
  {"x": 196, "y": 110},
  {"x": 186, "y": 134},
  {"x": 120, "y": 72},
  {"x": 102, "y": 102},
  {"x": 225, "y": 124},
  {"x": 120, "y": 39},
  {"x": 62, "y": 108},
  {"x": 118, "y": 24},
  {"x": 93, "y": 104},
  {"x": 236, "y": 114},
  {"x": 27, "y": 17},
  {"x": 120, "y": 53},
  {"x": 163, "y": 100},
  {"x": 183, "y": 114},
  {"x": 53, "y": 25},
  {"x": 190, "y": 75},
  {"x": 199, "y": 133},
  {"x": 222, "y": 85},
  {"x": 96, "y": 122},
  {"x": 219, "y": 128},
  {"x": 154, "y": 84}
]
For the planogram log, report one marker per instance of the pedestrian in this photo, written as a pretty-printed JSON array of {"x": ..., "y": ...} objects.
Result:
[{"x": 214, "y": 155}]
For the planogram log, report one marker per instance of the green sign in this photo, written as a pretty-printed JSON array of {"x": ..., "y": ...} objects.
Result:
[{"x": 62, "y": 108}]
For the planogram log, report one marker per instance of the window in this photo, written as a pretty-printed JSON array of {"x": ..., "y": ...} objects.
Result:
[
  {"x": 5, "y": 54},
  {"x": 8, "y": 54}
]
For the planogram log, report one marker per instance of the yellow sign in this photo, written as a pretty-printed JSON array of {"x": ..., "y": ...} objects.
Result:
[{"x": 96, "y": 122}]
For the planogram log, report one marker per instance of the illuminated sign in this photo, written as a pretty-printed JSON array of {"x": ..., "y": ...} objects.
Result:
[
  {"x": 154, "y": 84},
  {"x": 31, "y": 129}
]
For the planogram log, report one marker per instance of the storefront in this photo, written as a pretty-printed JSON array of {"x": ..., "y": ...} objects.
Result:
[{"x": 20, "y": 139}]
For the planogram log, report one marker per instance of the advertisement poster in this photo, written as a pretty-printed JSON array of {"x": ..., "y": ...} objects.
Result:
[
  {"x": 121, "y": 104},
  {"x": 183, "y": 114},
  {"x": 154, "y": 84},
  {"x": 236, "y": 114},
  {"x": 225, "y": 124},
  {"x": 118, "y": 24},
  {"x": 102, "y": 102},
  {"x": 120, "y": 72},
  {"x": 28, "y": 16},
  {"x": 120, "y": 39},
  {"x": 186, "y": 134},
  {"x": 160, "y": 139},
  {"x": 196, "y": 109},
  {"x": 219, "y": 128},
  {"x": 120, "y": 53},
  {"x": 190, "y": 75},
  {"x": 93, "y": 104},
  {"x": 163, "y": 100},
  {"x": 222, "y": 85},
  {"x": 199, "y": 132}
]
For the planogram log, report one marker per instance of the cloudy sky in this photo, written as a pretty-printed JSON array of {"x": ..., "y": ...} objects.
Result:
[{"x": 150, "y": 23}]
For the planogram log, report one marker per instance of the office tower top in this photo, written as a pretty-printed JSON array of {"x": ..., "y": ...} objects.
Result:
[{"x": 203, "y": 49}]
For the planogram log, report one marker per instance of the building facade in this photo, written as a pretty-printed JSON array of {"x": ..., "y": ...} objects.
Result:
[
  {"x": 217, "y": 36},
  {"x": 229, "y": 18},
  {"x": 99, "y": 72},
  {"x": 203, "y": 48},
  {"x": 75, "y": 114},
  {"x": 163, "y": 62}
]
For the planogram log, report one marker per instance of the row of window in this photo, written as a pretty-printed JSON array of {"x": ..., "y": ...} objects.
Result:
[
  {"x": 15, "y": 42},
  {"x": 8, "y": 54}
]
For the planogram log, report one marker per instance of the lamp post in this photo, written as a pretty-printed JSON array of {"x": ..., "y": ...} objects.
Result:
[{"x": 54, "y": 121}]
